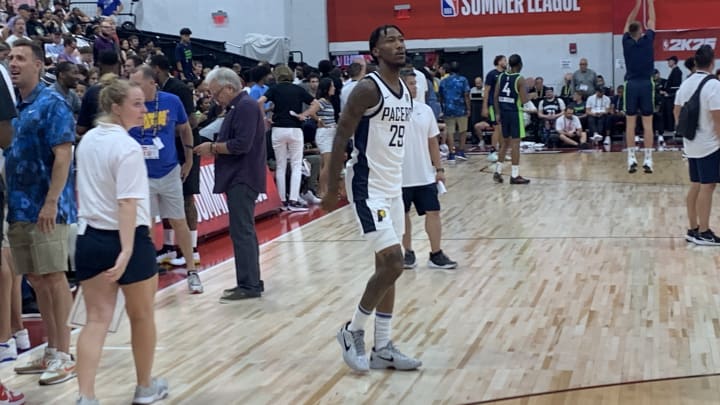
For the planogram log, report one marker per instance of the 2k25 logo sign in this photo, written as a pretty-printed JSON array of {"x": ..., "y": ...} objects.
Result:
[
  {"x": 450, "y": 8},
  {"x": 685, "y": 45}
]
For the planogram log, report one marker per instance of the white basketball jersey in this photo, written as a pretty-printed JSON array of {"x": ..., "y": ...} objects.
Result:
[{"x": 375, "y": 168}]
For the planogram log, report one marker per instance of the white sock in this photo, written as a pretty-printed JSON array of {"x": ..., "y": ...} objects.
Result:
[
  {"x": 383, "y": 326},
  {"x": 631, "y": 152},
  {"x": 498, "y": 167},
  {"x": 51, "y": 352},
  {"x": 168, "y": 237},
  {"x": 515, "y": 170},
  {"x": 359, "y": 318},
  {"x": 648, "y": 153},
  {"x": 193, "y": 238}
]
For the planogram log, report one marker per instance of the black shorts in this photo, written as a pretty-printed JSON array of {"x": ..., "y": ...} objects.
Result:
[
  {"x": 491, "y": 116},
  {"x": 425, "y": 198},
  {"x": 97, "y": 250},
  {"x": 640, "y": 96},
  {"x": 705, "y": 170},
  {"x": 191, "y": 186},
  {"x": 513, "y": 124}
]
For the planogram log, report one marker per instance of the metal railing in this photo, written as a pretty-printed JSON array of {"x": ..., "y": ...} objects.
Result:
[{"x": 90, "y": 9}]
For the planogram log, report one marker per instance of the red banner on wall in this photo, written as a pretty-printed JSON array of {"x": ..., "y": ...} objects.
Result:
[
  {"x": 212, "y": 208},
  {"x": 354, "y": 20},
  {"x": 683, "y": 44}
]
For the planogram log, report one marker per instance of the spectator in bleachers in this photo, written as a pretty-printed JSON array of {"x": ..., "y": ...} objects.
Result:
[
  {"x": 600, "y": 82},
  {"x": 69, "y": 51},
  {"x": 570, "y": 130},
  {"x": 81, "y": 89},
  {"x": 617, "y": 113},
  {"x": 18, "y": 29},
  {"x": 93, "y": 76},
  {"x": 67, "y": 79},
  {"x": 104, "y": 42},
  {"x": 184, "y": 56},
  {"x": 35, "y": 28},
  {"x": 54, "y": 48},
  {"x": 134, "y": 43},
  {"x": 107, "y": 8},
  {"x": 87, "y": 57},
  {"x": 567, "y": 90},
  {"x": 551, "y": 107},
  {"x": 476, "y": 102},
  {"x": 78, "y": 17},
  {"x": 131, "y": 64},
  {"x": 584, "y": 79},
  {"x": 598, "y": 107},
  {"x": 536, "y": 92}
]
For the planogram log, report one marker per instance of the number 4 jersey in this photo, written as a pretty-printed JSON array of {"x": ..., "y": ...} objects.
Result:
[{"x": 375, "y": 168}]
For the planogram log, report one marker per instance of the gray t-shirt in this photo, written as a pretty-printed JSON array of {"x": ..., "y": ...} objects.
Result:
[{"x": 584, "y": 82}]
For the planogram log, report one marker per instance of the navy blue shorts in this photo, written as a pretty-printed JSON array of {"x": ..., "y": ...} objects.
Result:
[
  {"x": 639, "y": 97},
  {"x": 97, "y": 250},
  {"x": 513, "y": 124},
  {"x": 705, "y": 170},
  {"x": 425, "y": 198}
]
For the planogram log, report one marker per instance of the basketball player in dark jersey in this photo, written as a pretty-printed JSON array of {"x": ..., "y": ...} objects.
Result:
[
  {"x": 639, "y": 87},
  {"x": 377, "y": 112},
  {"x": 510, "y": 97},
  {"x": 488, "y": 110}
]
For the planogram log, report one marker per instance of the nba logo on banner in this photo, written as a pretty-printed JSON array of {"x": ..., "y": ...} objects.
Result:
[{"x": 450, "y": 8}]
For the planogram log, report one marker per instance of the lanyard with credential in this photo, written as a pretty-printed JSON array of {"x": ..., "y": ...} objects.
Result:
[{"x": 156, "y": 118}]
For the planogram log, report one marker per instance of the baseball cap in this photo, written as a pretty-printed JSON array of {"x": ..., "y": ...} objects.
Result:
[
  {"x": 185, "y": 31},
  {"x": 673, "y": 58},
  {"x": 25, "y": 7}
]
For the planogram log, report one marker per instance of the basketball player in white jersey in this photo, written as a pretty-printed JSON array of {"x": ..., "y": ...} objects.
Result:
[{"x": 378, "y": 112}]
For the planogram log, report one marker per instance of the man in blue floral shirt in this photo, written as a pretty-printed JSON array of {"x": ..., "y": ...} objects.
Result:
[
  {"x": 41, "y": 204},
  {"x": 455, "y": 99}
]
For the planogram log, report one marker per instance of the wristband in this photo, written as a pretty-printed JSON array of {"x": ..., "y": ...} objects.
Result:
[
  {"x": 440, "y": 170},
  {"x": 189, "y": 146}
]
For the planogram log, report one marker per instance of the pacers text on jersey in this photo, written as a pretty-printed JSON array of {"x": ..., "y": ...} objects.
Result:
[
  {"x": 482, "y": 7},
  {"x": 396, "y": 114}
]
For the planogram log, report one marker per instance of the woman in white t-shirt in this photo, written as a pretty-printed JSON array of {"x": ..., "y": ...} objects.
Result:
[
  {"x": 325, "y": 135},
  {"x": 114, "y": 249},
  {"x": 18, "y": 31}
]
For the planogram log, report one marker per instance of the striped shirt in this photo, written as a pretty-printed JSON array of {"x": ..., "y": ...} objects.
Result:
[{"x": 326, "y": 113}]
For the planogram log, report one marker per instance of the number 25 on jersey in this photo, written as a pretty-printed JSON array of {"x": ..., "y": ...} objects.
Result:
[{"x": 398, "y": 132}]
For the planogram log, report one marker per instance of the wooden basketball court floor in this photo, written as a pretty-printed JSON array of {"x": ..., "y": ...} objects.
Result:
[{"x": 580, "y": 279}]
